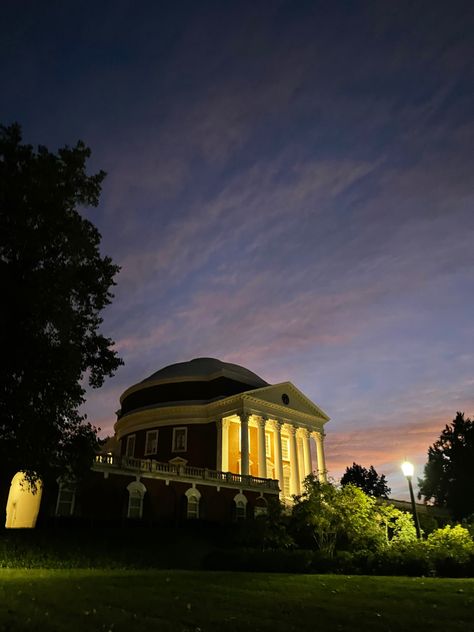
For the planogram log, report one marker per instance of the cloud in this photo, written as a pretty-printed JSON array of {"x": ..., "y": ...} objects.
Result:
[{"x": 277, "y": 196}]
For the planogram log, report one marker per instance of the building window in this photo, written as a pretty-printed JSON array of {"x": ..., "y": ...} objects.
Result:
[
  {"x": 286, "y": 484},
  {"x": 180, "y": 439},
  {"x": 260, "y": 508},
  {"x": 240, "y": 510},
  {"x": 268, "y": 443},
  {"x": 151, "y": 442},
  {"x": 130, "y": 447},
  {"x": 240, "y": 507},
  {"x": 285, "y": 448},
  {"x": 136, "y": 491},
  {"x": 193, "y": 497},
  {"x": 66, "y": 500},
  {"x": 239, "y": 466},
  {"x": 135, "y": 505}
]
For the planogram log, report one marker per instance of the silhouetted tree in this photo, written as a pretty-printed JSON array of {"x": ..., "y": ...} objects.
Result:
[
  {"x": 449, "y": 473},
  {"x": 54, "y": 283},
  {"x": 367, "y": 479}
]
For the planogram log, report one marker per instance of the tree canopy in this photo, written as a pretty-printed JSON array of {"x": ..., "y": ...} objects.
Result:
[
  {"x": 367, "y": 480},
  {"x": 54, "y": 285},
  {"x": 449, "y": 473}
]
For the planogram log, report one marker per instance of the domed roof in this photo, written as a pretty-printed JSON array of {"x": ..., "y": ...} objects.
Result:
[
  {"x": 200, "y": 380},
  {"x": 206, "y": 368}
]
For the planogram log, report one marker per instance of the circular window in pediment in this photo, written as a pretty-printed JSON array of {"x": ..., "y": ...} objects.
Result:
[{"x": 285, "y": 399}]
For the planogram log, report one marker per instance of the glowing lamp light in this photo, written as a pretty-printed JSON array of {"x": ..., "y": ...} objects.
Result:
[{"x": 407, "y": 468}]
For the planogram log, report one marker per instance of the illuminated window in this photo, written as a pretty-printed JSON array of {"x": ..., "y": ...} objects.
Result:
[
  {"x": 151, "y": 442},
  {"x": 239, "y": 466},
  {"x": 136, "y": 493},
  {"x": 180, "y": 439},
  {"x": 130, "y": 447},
  {"x": 268, "y": 443},
  {"x": 240, "y": 507},
  {"x": 285, "y": 448},
  {"x": 66, "y": 500},
  {"x": 286, "y": 484},
  {"x": 193, "y": 496}
]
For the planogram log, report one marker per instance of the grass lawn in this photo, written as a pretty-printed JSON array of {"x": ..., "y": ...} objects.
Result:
[{"x": 193, "y": 601}]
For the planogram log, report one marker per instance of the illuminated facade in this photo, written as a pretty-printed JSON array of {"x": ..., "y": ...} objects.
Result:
[
  {"x": 210, "y": 427},
  {"x": 201, "y": 439}
]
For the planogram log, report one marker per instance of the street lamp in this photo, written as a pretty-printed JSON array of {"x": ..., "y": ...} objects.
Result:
[{"x": 408, "y": 469}]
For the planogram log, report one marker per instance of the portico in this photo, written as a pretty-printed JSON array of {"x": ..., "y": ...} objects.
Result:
[{"x": 278, "y": 434}]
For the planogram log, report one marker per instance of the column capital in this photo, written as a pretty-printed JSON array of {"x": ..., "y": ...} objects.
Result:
[
  {"x": 292, "y": 429},
  {"x": 277, "y": 424},
  {"x": 244, "y": 417},
  {"x": 262, "y": 421},
  {"x": 305, "y": 432}
]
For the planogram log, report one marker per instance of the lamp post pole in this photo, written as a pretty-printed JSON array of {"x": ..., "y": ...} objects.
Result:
[{"x": 408, "y": 470}]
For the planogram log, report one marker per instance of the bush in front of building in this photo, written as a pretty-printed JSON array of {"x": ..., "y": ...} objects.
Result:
[
  {"x": 327, "y": 518},
  {"x": 451, "y": 550},
  {"x": 131, "y": 546},
  {"x": 267, "y": 531}
]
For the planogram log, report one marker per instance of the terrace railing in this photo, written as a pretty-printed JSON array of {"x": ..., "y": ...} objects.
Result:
[{"x": 170, "y": 470}]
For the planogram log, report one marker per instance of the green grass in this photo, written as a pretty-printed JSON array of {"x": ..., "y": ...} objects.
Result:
[{"x": 193, "y": 601}]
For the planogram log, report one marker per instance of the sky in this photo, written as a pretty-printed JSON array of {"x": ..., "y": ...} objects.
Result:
[{"x": 290, "y": 188}]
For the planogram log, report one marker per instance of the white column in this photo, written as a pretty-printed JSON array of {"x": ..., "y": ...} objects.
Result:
[
  {"x": 300, "y": 452},
  {"x": 277, "y": 449},
  {"x": 244, "y": 443},
  {"x": 308, "y": 466},
  {"x": 294, "y": 469},
  {"x": 219, "y": 445},
  {"x": 225, "y": 445},
  {"x": 322, "y": 473},
  {"x": 262, "y": 448}
]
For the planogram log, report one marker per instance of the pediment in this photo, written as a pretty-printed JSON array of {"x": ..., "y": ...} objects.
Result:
[
  {"x": 286, "y": 397},
  {"x": 178, "y": 461}
]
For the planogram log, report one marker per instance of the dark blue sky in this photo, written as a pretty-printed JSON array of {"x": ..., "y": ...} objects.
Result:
[{"x": 290, "y": 187}]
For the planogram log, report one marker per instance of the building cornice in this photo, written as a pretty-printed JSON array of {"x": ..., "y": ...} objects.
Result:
[
  {"x": 249, "y": 401},
  {"x": 286, "y": 415},
  {"x": 166, "y": 415}
]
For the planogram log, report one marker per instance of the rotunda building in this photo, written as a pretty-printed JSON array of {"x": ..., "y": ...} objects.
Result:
[
  {"x": 203, "y": 439},
  {"x": 201, "y": 412}
]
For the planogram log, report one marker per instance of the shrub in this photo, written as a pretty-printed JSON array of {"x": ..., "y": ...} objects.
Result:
[
  {"x": 455, "y": 542},
  {"x": 327, "y": 518},
  {"x": 452, "y": 551},
  {"x": 405, "y": 558}
]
